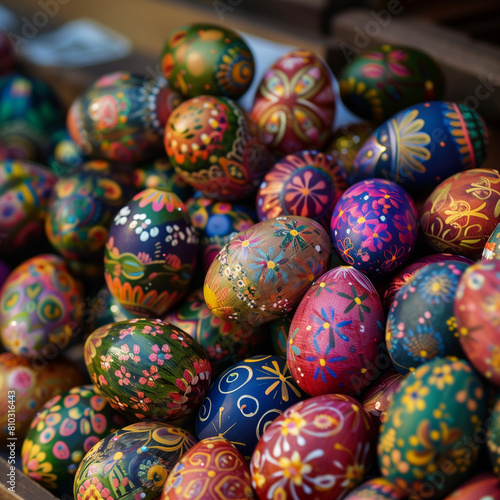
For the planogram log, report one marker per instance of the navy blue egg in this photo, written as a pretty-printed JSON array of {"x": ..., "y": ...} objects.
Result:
[
  {"x": 245, "y": 399},
  {"x": 421, "y": 323},
  {"x": 422, "y": 145}
]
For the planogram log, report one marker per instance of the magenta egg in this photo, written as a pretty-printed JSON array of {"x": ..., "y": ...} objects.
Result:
[
  {"x": 483, "y": 486},
  {"x": 336, "y": 334},
  {"x": 319, "y": 448},
  {"x": 374, "y": 226},
  {"x": 294, "y": 107}
]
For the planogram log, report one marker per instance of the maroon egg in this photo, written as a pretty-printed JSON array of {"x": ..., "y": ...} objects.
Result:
[
  {"x": 336, "y": 333},
  {"x": 307, "y": 183},
  {"x": 462, "y": 212},
  {"x": 477, "y": 306},
  {"x": 403, "y": 276},
  {"x": 378, "y": 397},
  {"x": 484, "y": 486},
  {"x": 294, "y": 107},
  {"x": 319, "y": 448}
]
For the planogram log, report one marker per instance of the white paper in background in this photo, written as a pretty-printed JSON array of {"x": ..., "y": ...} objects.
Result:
[
  {"x": 8, "y": 20},
  {"x": 79, "y": 43},
  {"x": 265, "y": 53}
]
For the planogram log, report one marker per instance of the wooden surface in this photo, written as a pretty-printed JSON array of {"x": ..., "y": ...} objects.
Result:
[{"x": 25, "y": 488}]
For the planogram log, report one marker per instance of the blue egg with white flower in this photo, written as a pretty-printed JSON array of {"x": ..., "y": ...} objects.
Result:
[
  {"x": 245, "y": 399},
  {"x": 421, "y": 323},
  {"x": 150, "y": 253}
]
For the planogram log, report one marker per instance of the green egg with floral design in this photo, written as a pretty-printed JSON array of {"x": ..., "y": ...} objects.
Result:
[
  {"x": 148, "y": 369},
  {"x": 62, "y": 433},
  {"x": 379, "y": 82},
  {"x": 207, "y": 59},
  {"x": 131, "y": 463},
  {"x": 429, "y": 441}
]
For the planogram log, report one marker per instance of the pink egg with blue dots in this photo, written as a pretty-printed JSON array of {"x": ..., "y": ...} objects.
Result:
[{"x": 374, "y": 226}]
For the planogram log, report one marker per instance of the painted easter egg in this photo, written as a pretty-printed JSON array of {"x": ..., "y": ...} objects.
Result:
[
  {"x": 347, "y": 141},
  {"x": 476, "y": 309},
  {"x": 160, "y": 173},
  {"x": 462, "y": 212},
  {"x": 421, "y": 323},
  {"x": 27, "y": 385},
  {"x": 483, "y": 486},
  {"x": 151, "y": 253},
  {"x": 64, "y": 154},
  {"x": 378, "y": 397},
  {"x": 121, "y": 117},
  {"x": 245, "y": 399},
  {"x": 491, "y": 247},
  {"x": 212, "y": 468},
  {"x": 336, "y": 333},
  {"x": 209, "y": 142},
  {"x": 422, "y": 145},
  {"x": 131, "y": 463},
  {"x": 216, "y": 223},
  {"x": 374, "y": 226},
  {"x": 148, "y": 369},
  {"x": 319, "y": 448},
  {"x": 24, "y": 199},
  {"x": 435, "y": 414},
  {"x": 401, "y": 277},
  {"x": 82, "y": 208},
  {"x": 62, "y": 433},
  {"x": 378, "y": 488},
  {"x": 262, "y": 273},
  {"x": 380, "y": 81},
  {"x": 307, "y": 183},
  {"x": 207, "y": 59},
  {"x": 294, "y": 107},
  {"x": 225, "y": 342},
  {"x": 41, "y": 308},
  {"x": 31, "y": 112}
]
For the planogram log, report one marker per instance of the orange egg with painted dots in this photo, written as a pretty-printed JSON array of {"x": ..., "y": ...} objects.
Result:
[
  {"x": 207, "y": 59},
  {"x": 210, "y": 142}
]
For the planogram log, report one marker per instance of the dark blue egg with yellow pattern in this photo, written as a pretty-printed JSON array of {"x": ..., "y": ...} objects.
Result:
[
  {"x": 245, "y": 399},
  {"x": 421, "y": 323},
  {"x": 423, "y": 144}
]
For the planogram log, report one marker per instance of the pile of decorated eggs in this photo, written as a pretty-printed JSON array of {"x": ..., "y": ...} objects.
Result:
[{"x": 256, "y": 299}]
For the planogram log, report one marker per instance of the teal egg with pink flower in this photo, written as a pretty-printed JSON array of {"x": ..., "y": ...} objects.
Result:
[
  {"x": 374, "y": 226},
  {"x": 151, "y": 253},
  {"x": 132, "y": 463},
  {"x": 121, "y": 117},
  {"x": 63, "y": 432},
  {"x": 148, "y": 369},
  {"x": 380, "y": 81}
]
